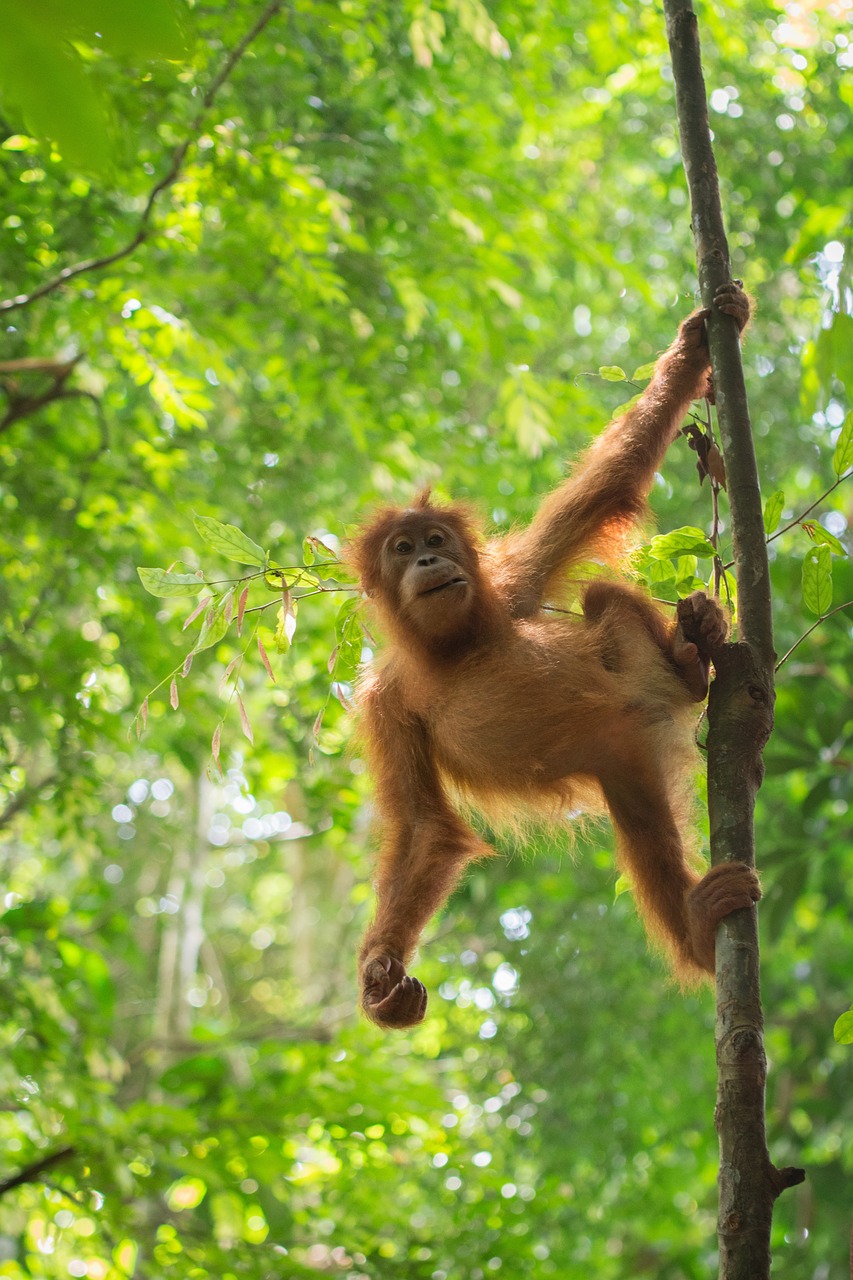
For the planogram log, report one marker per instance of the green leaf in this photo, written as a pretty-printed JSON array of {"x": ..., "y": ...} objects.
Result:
[
  {"x": 349, "y": 605},
  {"x": 626, "y": 406},
  {"x": 686, "y": 580},
  {"x": 686, "y": 586},
  {"x": 275, "y": 577},
  {"x": 612, "y": 373},
  {"x": 643, "y": 372},
  {"x": 623, "y": 885},
  {"x": 45, "y": 79},
  {"x": 149, "y": 30},
  {"x": 660, "y": 572},
  {"x": 213, "y": 628},
  {"x": 773, "y": 508},
  {"x": 347, "y": 655},
  {"x": 230, "y": 541},
  {"x": 843, "y": 1029},
  {"x": 842, "y": 459},
  {"x": 817, "y": 580},
  {"x": 44, "y": 71},
  {"x": 332, "y": 572},
  {"x": 685, "y": 568},
  {"x": 818, "y": 534},
  {"x": 686, "y": 541},
  {"x": 320, "y": 549},
  {"x": 160, "y": 582}
]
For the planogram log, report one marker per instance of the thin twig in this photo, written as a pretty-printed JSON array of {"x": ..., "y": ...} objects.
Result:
[
  {"x": 715, "y": 506},
  {"x": 178, "y": 157},
  {"x": 798, "y": 519},
  {"x": 806, "y": 634}
]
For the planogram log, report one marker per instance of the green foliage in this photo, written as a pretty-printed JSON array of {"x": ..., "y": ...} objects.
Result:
[
  {"x": 817, "y": 579},
  {"x": 843, "y": 1029},
  {"x": 163, "y": 582},
  {"x": 48, "y": 56},
  {"x": 842, "y": 459},
  {"x": 773, "y": 508},
  {"x": 229, "y": 541},
  {"x": 680, "y": 542}
]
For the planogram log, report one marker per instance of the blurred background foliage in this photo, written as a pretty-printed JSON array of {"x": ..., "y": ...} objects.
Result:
[{"x": 377, "y": 246}]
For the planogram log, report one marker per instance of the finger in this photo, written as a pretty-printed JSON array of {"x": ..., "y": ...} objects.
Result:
[
  {"x": 698, "y": 318},
  {"x": 404, "y": 1007},
  {"x": 732, "y": 301},
  {"x": 686, "y": 653}
]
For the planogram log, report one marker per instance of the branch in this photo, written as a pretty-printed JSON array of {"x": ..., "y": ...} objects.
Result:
[
  {"x": 178, "y": 157},
  {"x": 32, "y": 1172},
  {"x": 740, "y": 712},
  {"x": 814, "y": 625},
  {"x": 798, "y": 519},
  {"x": 39, "y": 364},
  {"x": 793, "y": 524},
  {"x": 21, "y": 406}
]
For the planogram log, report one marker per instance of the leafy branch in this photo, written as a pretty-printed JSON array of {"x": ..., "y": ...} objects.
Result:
[
  {"x": 169, "y": 177},
  {"x": 225, "y": 601},
  {"x": 799, "y": 519},
  {"x": 700, "y": 436}
]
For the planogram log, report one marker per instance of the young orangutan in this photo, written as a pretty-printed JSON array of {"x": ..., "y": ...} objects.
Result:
[{"x": 483, "y": 690}]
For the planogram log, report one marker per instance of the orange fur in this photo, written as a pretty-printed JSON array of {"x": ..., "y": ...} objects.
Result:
[{"x": 483, "y": 693}]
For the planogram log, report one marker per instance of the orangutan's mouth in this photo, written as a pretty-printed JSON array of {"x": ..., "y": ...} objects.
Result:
[{"x": 442, "y": 586}]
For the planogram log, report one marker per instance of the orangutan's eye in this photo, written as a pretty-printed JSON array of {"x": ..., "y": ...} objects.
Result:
[
  {"x": 435, "y": 540},
  {"x": 402, "y": 546}
]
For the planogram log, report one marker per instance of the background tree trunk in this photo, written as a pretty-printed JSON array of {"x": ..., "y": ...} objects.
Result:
[{"x": 740, "y": 713}]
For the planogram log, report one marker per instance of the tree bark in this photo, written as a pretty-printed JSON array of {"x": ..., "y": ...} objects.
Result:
[{"x": 740, "y": 712}]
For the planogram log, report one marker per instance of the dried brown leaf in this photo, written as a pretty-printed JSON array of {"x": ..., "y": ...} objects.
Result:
[
  {"x": 244, "y": 721},
  {"x": 264, "y": 659},
  {"x": 202, "y": 604},
  {"x": 716, "y": 466},
  {"x": 241, "y": 609}
]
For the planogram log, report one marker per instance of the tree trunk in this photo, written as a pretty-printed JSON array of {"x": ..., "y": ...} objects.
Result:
[{"x": 740, "y": 713}]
